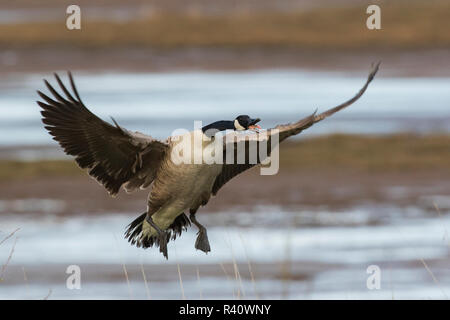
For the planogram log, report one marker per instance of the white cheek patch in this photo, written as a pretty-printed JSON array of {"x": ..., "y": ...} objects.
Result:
[{"x": 238, "y": 126}]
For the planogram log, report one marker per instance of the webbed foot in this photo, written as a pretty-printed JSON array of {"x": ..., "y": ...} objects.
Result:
[{"x": 202, "y": 242}]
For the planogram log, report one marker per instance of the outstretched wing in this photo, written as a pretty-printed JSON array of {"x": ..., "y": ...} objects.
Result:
[
  {"x": 229, "y": 171},
  {"x": 112, "y": 154}
]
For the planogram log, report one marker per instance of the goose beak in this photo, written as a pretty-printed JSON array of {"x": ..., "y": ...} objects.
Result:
[{"x": 253, "y": 123}]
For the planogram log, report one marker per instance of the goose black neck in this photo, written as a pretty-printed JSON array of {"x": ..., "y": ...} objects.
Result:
[{"x": 219, "y": 126}]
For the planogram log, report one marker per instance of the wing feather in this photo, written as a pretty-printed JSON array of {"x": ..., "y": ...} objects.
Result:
[
  {"x": 112, "y": 154},
  {"x": 229, "y": 171}
]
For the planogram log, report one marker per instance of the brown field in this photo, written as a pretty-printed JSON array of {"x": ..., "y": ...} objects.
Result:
[
  {"x": 405, "y": 25},
  {"x": 393, "y": 153},
  {"x": 227, "y": 35},
  {"x": 334, "y": 171}
]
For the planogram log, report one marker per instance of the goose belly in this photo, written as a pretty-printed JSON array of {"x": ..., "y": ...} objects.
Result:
[{"x": 186, "y": 187}]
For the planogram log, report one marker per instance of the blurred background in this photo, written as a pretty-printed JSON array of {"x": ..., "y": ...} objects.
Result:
[{"x": 369, "y": 186}]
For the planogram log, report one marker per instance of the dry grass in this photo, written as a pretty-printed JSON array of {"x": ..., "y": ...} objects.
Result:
[
  {"x": 250, "y": 270},
  {"x": 198, "y": 282},
  {"x": 5, "y": 265},
  {"x": 399, "y": 152},
  {"x": 406, "y": 25},
  {"x": 181, "y": 282},
  {"x": 435, "y": 280},
  {"x": 8, "y": 260},
  {"x": 446, "y": 236},
  {"x": 144, "y": 277},
  {"x": 228, "y": 277},
  {"x": 11, "y": 170},
  {"x": 9, "y": 236},
  {"x": 48, "y": 294}
]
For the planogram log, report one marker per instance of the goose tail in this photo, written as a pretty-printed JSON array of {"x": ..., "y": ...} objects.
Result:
[{"x": 136, "y": 235}]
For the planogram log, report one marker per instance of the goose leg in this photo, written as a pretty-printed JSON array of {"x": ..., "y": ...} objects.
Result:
[
  {"x": 162, "y": 235},
  {"x": 202, "y": 242}
]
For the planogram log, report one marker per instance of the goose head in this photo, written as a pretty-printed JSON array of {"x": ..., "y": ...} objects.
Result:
[
  {"x": 244, "y": 122},
  {"x": 241, "y": 123}
]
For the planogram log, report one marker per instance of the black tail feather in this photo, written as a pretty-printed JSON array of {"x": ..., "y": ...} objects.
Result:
[{"x": 134, "y": 231}]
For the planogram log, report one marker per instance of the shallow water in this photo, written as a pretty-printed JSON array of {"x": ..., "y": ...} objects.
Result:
[
  {"x": 159, "y": 103},
  {"x": 292, "y": 254}
]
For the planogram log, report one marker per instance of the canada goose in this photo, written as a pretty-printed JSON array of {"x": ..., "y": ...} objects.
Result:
[{"x": 117, "y": 157}]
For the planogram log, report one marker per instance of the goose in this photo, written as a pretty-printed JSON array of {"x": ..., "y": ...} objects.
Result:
[{"x": 117, "y": 157}]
